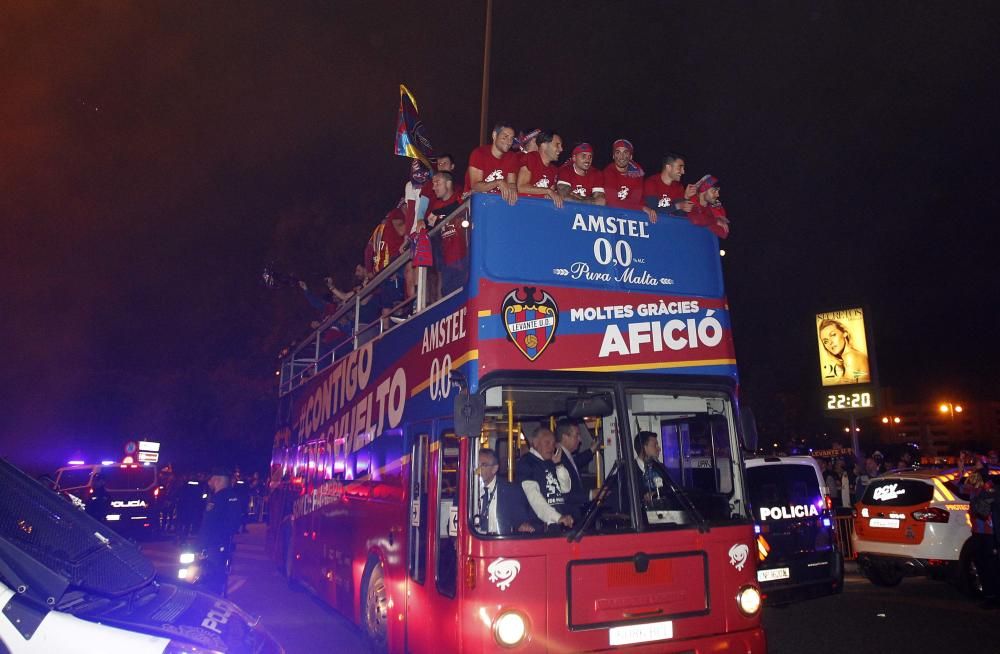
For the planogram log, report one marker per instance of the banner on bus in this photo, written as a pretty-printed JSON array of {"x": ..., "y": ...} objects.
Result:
[{"x": 843, "y": 347}]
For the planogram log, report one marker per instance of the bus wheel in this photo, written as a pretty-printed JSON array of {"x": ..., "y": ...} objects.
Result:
[{"x": 375, "y": 607}]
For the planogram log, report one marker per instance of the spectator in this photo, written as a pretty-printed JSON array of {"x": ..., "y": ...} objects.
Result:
[
  {"x": 503, "y": 507},
  {"x": 451, "y": 248},
  {"x": 623, "y": 180},
  {"x": 982, "y": 495},
  {"x": 414, "y": 202},
  {"x": 578, "y": 180},
  {"x": 664, "y": 191},
  {"x": 708, "y": 210},
  {"x": 538, "y": 173},
  {"x": 545, "y": 479},
  {"x": 865, "y": 477},
  {"x": 493, "y": 168}
]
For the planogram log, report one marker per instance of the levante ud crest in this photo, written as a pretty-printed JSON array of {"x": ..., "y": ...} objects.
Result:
[{"x": 530, "y": 323}]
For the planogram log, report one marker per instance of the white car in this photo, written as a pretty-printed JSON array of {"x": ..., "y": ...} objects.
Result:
[
  {"x": 69, "y": 585},
  {"x": 914, "y": 522}
]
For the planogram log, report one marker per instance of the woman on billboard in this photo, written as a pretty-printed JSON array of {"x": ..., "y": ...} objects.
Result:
[{"x": 850, "y": 364}]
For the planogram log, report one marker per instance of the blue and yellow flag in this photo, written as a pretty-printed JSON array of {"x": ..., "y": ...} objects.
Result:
[{"x": 410, "y": 138}]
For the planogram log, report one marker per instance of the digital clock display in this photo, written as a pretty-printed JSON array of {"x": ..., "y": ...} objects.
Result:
[{"x": 862, "y": 400}]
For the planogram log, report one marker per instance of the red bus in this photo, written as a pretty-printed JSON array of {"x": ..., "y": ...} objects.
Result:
[{"x": 535, "y": 316}]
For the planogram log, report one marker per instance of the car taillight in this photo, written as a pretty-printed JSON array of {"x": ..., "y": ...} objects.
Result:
[
  {"x": 930, "y": 514},
  {"x": 829, "y": 503}
]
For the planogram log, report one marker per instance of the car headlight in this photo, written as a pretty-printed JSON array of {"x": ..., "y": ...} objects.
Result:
[
  {"x": 510, "y": 629},
  {"x": 748, "y": 600},
  {"x": 187, "y": 557}
]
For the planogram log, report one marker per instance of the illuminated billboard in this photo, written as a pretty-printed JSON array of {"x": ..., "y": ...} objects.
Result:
[{"x": 843, "y": 347}]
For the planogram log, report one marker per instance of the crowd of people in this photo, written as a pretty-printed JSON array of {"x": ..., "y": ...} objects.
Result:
[{"x": 512, "y": 166}]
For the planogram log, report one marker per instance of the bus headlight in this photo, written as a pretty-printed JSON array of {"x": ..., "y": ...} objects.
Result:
[
  {"x": 510, "y": 629},
  {"x": 748, "y": 599}
]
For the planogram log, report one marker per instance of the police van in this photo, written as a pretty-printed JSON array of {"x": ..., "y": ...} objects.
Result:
[
  {"x": 132, "y": 493},
  {"x": 71, "y": 585},
  {"x": 796, "y": 552}
]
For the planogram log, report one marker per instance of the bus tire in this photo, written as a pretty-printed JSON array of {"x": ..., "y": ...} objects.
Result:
[{"x": 375, "y": 606}]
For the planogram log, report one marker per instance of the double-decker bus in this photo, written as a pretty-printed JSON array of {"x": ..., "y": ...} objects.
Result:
[{"x": 534, "y": 315}]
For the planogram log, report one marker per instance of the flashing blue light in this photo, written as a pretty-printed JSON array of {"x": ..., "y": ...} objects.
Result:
[
  {"x": 108, "y": 463},
  {"x": 76, "y": 462},
  {"x": 756, "y": 529},
  {"x": 826, "y": 522}
]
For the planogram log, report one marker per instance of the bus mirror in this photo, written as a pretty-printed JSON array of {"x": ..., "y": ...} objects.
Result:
[
  {"x": 749, "y": 432},
  {"x": 470, "y": 410},
  {"x": 590, "y": 406}
]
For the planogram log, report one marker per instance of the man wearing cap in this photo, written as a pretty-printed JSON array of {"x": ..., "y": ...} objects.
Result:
[
  {"x": 493, "y": 167},
  {"x": 538, "y": 174},
  {"x": 623, "y": 180},
  {"x": 223, "y": 517},
  {"x": 664, "y": 191},
  {"x": 708, "y": 210},
  {"x": 578, "y": 181}
]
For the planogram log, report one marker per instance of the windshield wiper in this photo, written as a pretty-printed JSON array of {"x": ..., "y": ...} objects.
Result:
[
  {"x": 588, "y": 519},
  {"x": 688, "y": 504}
]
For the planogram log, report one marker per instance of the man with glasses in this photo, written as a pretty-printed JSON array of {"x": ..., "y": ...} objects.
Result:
[{"x": 502, "y": 507}]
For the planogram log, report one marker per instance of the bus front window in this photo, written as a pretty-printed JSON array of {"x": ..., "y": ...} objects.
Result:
[
  {"x": 539, "y": 469},
  {"x": 686, "y": 458}
]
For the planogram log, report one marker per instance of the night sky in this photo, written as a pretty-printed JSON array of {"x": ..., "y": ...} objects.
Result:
[{"x": 154, "y": 158}]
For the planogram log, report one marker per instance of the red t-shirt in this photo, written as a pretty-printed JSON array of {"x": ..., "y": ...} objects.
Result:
[
  {"x": 541, "y": 175},
  {"x": 427, "y": 190},
  {"x": 664, "y": 195},
  {"x": 493, "y": 168},
  {"x": 621, "y": 190},
  {"x": 581, "y": 186},
  {"x": 713, "y": 217},
  {"x": 453, "y": 242}
]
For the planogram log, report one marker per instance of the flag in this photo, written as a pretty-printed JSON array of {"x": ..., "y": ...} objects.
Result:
[{"x": 410, "y": 138}]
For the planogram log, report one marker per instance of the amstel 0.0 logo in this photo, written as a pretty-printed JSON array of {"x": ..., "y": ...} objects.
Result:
[{"x": 530, "y": 323}]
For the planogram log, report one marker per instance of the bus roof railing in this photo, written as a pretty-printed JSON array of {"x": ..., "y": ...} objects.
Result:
[{"x": 318, "y": 351}]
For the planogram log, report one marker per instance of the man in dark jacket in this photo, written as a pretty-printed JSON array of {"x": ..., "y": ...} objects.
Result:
[{"x": 501, "y": 506}]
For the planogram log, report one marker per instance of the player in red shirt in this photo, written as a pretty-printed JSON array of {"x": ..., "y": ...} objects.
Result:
[
  {"x": 524, "y": 144},
  {"x": 451, "y": 251},
  {"x": 623, "y": 180},
  {"x": 578, "y": 181},
  {"x": 538, "y": 174},
  {"x": 493, "y": 168},
  {"x": 708, "y": 210},
  {"x": 443, "y": 163},
  {"x": 664, "y": 190}
]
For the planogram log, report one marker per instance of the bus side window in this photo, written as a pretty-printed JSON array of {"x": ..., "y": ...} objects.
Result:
[
  {"x": 417, "y": 559},
  {"x": 447, "y": 555}
]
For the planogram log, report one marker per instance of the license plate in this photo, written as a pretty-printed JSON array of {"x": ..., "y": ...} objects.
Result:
[
  {"x": 641, "y": 633},
  {"x": 771, "y": 575},
  {"x": 886, "y": 523}
]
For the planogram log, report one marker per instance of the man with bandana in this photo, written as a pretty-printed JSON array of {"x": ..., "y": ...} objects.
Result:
[
  {"x": 623, "y": 180},
  {"x": 578, "y": 180}
]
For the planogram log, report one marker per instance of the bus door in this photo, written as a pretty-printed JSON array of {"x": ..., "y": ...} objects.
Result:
[{"x": 433, "y": 604}]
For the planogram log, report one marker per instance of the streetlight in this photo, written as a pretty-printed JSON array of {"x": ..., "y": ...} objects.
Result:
[{"x": 950, "y": 409}]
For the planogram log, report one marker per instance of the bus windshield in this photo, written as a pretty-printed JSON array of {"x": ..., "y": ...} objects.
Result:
[
  {"x": 683, "y": 444},
  {"x": 541, "y": 472}
]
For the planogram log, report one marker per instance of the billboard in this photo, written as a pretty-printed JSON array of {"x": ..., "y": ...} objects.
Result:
[{"x": 843, "y": 347}]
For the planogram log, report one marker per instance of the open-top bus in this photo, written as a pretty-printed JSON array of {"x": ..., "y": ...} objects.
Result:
[{"x": 584, "y": 313}]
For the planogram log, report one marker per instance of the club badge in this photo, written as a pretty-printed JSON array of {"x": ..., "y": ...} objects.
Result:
[{"x": 530, "y": 323}]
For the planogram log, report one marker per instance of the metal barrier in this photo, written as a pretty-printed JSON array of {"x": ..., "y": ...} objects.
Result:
[{"x": 843, "y": 527}]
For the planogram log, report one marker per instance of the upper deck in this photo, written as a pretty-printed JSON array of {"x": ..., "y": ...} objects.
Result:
[{"x": 583, "y": 288}]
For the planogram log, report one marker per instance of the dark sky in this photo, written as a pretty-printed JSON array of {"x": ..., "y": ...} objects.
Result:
[{"x": 155, "y": 157}]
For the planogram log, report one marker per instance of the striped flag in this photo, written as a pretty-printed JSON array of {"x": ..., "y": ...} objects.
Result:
[{"x": 411, "y": 141}]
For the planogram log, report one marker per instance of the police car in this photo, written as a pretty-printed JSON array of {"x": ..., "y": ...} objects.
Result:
[
  {"x": 132, "y": 489},
  {"x": 913, "y": 523},
  {"x": 797, "y": 557},
  {"x": 70, "y": 585}
]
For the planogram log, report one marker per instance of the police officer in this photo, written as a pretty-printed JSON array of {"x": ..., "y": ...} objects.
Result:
[
  {"x": 98, "y": 503},
  {"x": 222, "y": 519}
]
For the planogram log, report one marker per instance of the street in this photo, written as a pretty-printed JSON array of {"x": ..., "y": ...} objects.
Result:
[{"x": 918, "y": 616}]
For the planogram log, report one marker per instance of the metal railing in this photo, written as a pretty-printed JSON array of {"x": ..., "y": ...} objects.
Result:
[
  {"x": 843, "y": 529},
  {"x": 344, "y": 331}
]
